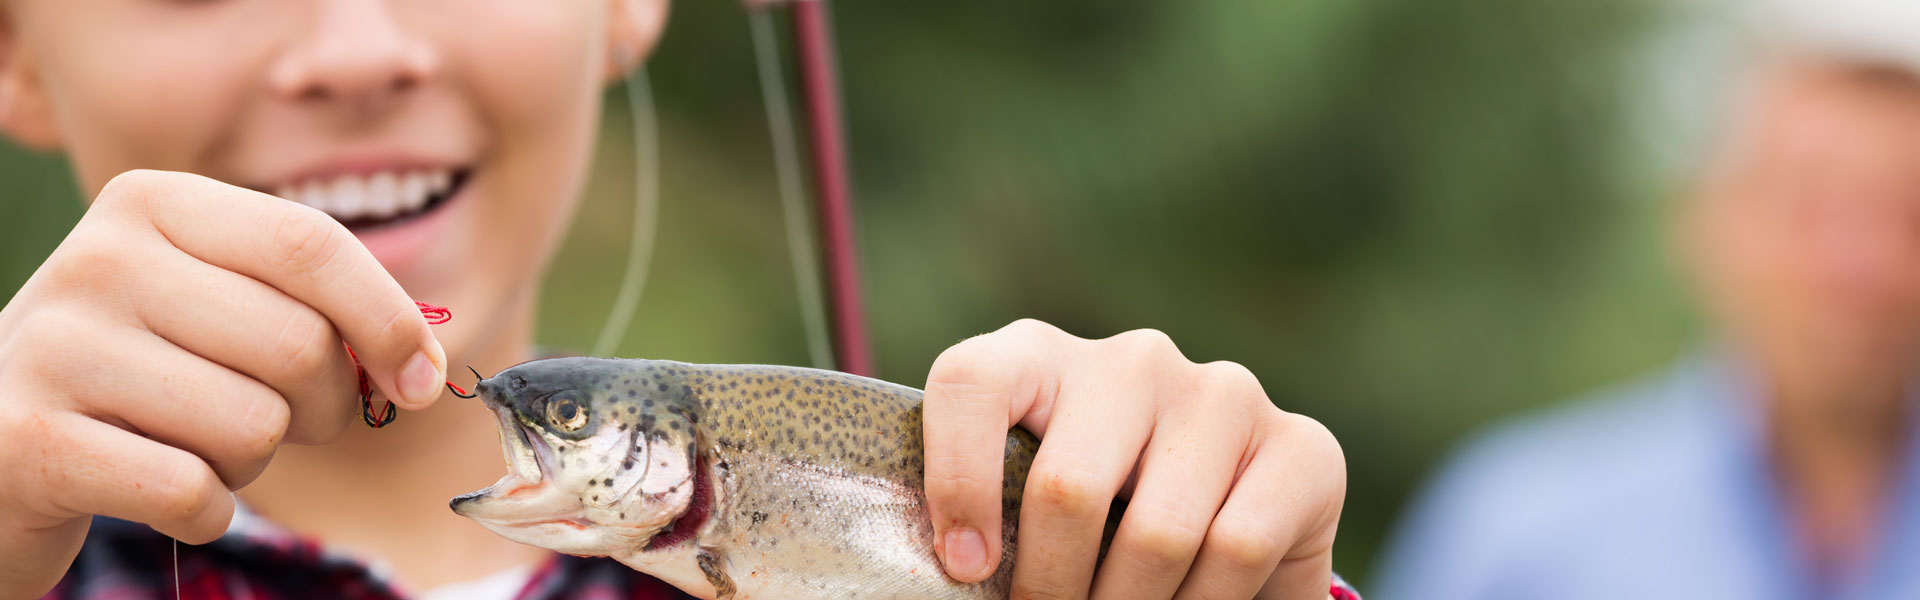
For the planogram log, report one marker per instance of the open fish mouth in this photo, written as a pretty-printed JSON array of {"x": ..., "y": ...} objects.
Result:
[
  {"x": 528, "y": 459},
  {"x": 525, "y": 503}
]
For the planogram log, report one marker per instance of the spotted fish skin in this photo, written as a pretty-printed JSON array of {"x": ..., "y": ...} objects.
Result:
[{"x": 811, "y": 481}]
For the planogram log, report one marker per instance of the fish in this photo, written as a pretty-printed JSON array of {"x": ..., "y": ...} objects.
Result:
[{"x": 730, "y": 482}]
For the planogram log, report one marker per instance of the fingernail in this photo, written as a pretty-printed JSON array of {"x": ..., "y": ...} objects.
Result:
[
  {"x": 966, "y": 552},
  {"x": 420, "y": 380}
]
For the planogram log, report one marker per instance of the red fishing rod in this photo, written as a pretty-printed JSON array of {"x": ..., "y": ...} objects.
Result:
[
  {"x": 819, "y": 86},
  {"x": 832, "y": 184},
  {"x": 830, "y": 294}
]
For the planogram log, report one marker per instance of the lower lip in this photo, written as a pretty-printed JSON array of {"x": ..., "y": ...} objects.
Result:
[{"x": 399, "y": 245}]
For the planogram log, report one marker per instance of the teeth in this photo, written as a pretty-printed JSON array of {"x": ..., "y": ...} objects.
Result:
[
  {"x": 383, "y": 195},
  {"x": 349, "y": 196},
  {"x": 380, "y": 195},
  {"x": 413, "y": 191},
  {"x": 314, "y": 194}
]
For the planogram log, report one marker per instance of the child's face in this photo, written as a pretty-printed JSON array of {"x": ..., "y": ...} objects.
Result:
[{"x": 361, "y": 102}]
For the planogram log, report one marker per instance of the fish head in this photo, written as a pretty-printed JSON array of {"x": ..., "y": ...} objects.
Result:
[{"x": 594, "y": 468}]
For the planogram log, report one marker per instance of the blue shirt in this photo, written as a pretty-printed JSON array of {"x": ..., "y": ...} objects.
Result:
[{"x": 1658, "y": 490}]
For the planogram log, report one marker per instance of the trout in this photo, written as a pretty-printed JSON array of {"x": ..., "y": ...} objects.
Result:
[{"x": 728, "y": 481}]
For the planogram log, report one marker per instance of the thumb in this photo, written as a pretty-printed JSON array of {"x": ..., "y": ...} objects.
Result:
[{"x": 975, "y": 391}]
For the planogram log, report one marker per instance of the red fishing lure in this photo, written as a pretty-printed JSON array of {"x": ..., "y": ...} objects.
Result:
[{"x": 435, "y": 315}]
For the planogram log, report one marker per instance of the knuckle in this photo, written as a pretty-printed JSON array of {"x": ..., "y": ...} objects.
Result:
[
  {"x": 306, "y": 241},
  {"x": 1302, "y": 425},
  {"x": 1228, "y": 384},
  {"x": 1030, "y": 327},
  {"x": 953, "y": 483},
  {"x": 306, "y": 346},
  {"x": 1030, "y": 332},
  {"x": 186, "y": 491},
  {"x": 318, "y": 425},
  {"x": 95, "y": 260},
  {"x": 51, "y": 347},
  {"x": 1232, "y": 376},
  {"x": 33, "y": 334},
  {"x": 1166, "y": 544},
  {"x": 90, "y": 265},
  {"x": 1073, "y": 494},
  {"x": 130, "y": 188},
  {"x": 406, "y": 324},
  {"x": 1243, "y": 548},
  {"x": 1146, "y": 345},
  {"x": 967, "y": 394},
  {"x": 261, "y": 428},
  {"x": 1309, "y": 433},
  {"x": 962, "y": 372},
  {"x": 1311, "y": 444}
]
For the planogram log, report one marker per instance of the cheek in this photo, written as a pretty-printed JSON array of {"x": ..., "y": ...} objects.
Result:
[
  {"x": 539, "y": 98},
  {"x": 1741, "y": 258},
  {"x": 143, "y": 85}
]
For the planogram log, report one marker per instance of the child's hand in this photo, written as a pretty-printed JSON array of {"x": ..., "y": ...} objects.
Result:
[
  {"x": 1230, "y": 497},
  {"x": 182, "y": 332}
]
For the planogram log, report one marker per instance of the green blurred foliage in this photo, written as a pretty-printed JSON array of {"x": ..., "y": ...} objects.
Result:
[{"x": 1409, "y": 217}]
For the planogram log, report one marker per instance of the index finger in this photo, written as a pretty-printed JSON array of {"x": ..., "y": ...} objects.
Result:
[
  {"x": 975, "y": 392},
  {"x": 304, "y": 253}
]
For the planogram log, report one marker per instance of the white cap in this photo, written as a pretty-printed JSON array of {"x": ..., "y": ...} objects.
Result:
[
  {"x": 1698, "y": 68},
  {"x": 1877, "y": 31}
]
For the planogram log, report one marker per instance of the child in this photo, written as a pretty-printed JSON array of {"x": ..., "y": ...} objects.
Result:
[{"x": 185, "y": 339}]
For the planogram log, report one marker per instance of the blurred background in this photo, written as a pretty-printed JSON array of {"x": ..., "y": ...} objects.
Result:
[{"x": 1409, "y": 217}]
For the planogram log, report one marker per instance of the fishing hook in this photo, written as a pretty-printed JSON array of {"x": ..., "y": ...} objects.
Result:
[{"x": 463, "y": 393}]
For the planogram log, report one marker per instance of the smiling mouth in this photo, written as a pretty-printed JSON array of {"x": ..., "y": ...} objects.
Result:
[{"x": 367, "y": 201}]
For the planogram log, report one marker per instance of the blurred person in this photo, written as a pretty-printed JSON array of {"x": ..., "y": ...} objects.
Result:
[
  {"x": 185, "y": 339},
  {"x": 1781, "y": 462}
]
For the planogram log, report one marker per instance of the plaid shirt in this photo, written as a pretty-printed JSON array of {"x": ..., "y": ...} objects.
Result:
[{"x": 128, "y": 561}]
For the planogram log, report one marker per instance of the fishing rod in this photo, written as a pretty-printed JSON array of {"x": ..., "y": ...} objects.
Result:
[
  {"x": 819, "y": 83},
  {"x": 826, "y": 126},
  {"x": 847, "y": 346}
]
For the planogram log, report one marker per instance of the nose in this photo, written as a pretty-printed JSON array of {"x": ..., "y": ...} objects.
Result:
[{"x": 356, "y": 54}]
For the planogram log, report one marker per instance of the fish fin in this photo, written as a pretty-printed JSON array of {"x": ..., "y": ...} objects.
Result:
[{"x": 710, "y": 564}]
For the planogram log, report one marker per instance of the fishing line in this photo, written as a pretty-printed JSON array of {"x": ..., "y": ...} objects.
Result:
[
  {"x": 435, "y": 315},
  {"x": 646, "y": 172},
  {"x": 786, "y": 161},
  {"x": 644, "y": 119}
]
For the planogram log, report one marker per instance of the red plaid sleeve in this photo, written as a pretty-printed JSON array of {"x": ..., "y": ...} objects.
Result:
[{"x": 1341, "y": 590}]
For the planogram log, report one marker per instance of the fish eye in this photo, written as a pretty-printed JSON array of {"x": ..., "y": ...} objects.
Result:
[{"x": 566, "y": 414}]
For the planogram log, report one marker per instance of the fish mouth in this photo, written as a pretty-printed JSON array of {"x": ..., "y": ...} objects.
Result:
[
  {"x": 525, "y": 505},
  {"x": 662, "y": 502},
  {"x": 531, "y": 457}
]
